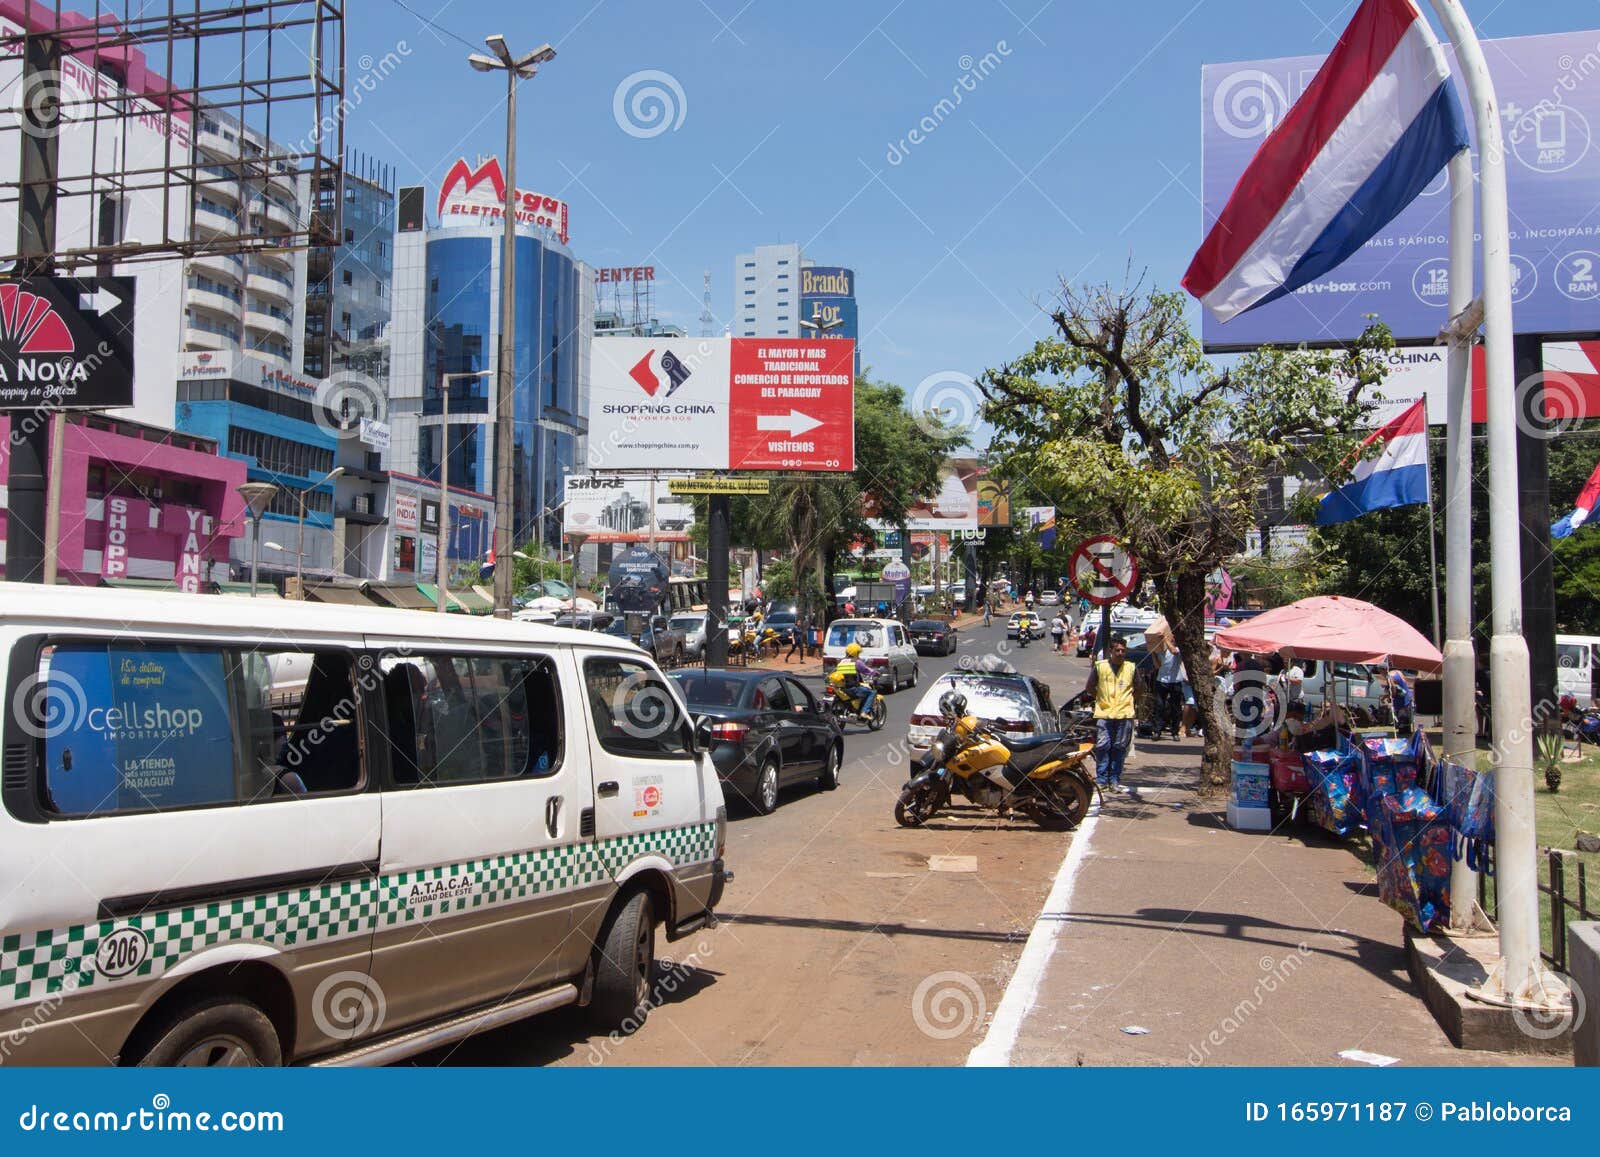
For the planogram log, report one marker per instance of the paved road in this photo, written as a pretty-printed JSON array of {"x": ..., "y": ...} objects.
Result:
[{"x": 834, "y": 922}]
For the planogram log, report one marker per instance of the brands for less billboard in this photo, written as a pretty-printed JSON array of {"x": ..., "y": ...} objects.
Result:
[
  {"x": 828, "y": 304},
  {"x": 682, "y": 403},
  {"x": 1550, "y": 105}
]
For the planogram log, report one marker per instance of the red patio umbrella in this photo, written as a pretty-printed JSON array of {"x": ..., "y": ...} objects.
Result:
[{"x": 1337, "y": 629}]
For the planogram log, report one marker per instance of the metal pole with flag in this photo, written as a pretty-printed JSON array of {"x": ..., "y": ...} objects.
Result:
[
  {"x": 1520, "y": 977},
  {"x": 1373, "y": 129}
]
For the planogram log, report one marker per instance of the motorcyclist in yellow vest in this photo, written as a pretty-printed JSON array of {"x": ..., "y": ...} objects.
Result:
[
  {"x": 1111, "y": 686},
  {"x": 848, "y": 675}
]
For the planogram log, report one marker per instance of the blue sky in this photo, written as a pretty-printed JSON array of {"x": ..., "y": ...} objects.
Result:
[{"x": 1076, "y": 152}]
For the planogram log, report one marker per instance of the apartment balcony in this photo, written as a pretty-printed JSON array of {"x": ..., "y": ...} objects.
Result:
[
  {"x": 273, "y": 214},
  {"x": 277, "y": 258},
  {"x": 286, "y": 183},
  {"x": 213, "y": 142},
  {"x": 265, "y": 323},
  {"x": 271, "y": 286},
  {"x": 205, "y": 339},
  {"x": 214, "y": 303},
  {"x": 208, "y": 223},
  {"x": 219, "y": 265}
]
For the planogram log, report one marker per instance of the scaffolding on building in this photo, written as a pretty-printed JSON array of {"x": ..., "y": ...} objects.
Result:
[{"x": 246, "y": 101}]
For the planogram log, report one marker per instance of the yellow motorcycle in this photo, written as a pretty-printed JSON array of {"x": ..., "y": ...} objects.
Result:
[
  {"x": 844, "y": 704},
  {"x": 1047, "y": 778}
]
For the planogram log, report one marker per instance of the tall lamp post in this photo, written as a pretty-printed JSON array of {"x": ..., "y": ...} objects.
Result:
[
  {"x": 442, "y": 550},
  {"x": 515, "y": 68},
  {"x": 577, "y": 538},
  {"x": 300, "y": 535},
  {"x": 257, "y": 497}
]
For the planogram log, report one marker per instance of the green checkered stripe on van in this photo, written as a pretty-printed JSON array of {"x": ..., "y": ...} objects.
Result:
[{"x": 35, "y": 965}]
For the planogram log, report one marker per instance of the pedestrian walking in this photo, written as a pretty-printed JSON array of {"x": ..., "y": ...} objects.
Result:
[
  {"x": 1170, "y": 680},
  {"x": 798, "y": 636},
  {"x": 1058, "y": 632},
  {"x": 988, "y": 616},
  {"x": 1111, "y": 687}
]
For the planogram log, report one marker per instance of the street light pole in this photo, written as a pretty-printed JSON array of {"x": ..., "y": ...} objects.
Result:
[
  {"x": 257, "y": 497},
  {"x": 300, "y": 537},
  {"x": 441, "y": 563},
  {"x": 515, "y": 69}
]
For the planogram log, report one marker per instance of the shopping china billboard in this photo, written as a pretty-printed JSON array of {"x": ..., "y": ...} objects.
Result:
[
  {"x": 684, "y": 403},
  {"x": 471, "y": 194}
]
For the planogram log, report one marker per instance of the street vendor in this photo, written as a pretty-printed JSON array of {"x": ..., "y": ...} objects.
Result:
[{"x": 1307, "y": 734}]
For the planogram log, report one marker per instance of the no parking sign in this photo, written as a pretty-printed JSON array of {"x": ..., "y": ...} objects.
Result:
[{"x": 1103, "y": 571}]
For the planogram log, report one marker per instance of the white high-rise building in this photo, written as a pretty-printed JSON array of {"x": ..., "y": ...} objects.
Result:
[{"x": 766, "y": 292}]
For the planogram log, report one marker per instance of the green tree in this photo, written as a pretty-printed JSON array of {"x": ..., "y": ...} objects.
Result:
[{"x": 1121, "y": 417}]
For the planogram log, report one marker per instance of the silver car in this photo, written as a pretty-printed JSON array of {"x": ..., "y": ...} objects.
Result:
[{"x": 693, "y": 626}]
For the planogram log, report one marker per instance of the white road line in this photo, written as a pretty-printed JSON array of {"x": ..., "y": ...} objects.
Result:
[{"x": 994, "y": 1051}]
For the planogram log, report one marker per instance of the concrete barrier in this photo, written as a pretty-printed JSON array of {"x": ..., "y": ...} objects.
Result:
[{"x": 1583, "y": 958}]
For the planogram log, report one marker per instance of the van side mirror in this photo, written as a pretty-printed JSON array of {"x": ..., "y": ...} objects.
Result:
[{"x": 702, "y": 735}]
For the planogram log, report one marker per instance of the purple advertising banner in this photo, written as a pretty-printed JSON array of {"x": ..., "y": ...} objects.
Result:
[{"x": 1549, "y": 92}]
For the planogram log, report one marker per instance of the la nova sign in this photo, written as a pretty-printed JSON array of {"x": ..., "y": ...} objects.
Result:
[{"x": 469, "y": 194}]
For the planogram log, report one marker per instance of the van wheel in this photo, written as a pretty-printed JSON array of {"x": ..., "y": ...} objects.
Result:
[
  {"x": 624, "y": 968},
  {"x": 219, "y": 1032},
  {"x": 829, "y": 779}
]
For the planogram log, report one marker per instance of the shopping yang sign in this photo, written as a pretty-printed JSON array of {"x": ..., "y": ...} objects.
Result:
[
  {"x": 681, "y": 403},
  {"x": 1550, "y": 108}
]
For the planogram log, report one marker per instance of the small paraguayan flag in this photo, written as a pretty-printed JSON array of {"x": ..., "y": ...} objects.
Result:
[{"x": 1396, "y": 477}]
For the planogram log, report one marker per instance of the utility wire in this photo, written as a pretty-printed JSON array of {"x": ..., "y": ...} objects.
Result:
[{"x": 436, "y": 26}]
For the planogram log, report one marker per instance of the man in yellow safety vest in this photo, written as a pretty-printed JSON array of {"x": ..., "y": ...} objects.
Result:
[{"x": 1111, "y": 686}]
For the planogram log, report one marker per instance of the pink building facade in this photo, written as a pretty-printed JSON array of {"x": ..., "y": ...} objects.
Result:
[{"x": 138, "y": 502}]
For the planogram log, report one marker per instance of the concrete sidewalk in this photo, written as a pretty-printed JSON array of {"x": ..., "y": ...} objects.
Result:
[{"x": 1231, "y": 948}]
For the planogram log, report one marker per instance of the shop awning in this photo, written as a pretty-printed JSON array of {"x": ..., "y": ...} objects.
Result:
[
  {"x": 406, "y": 596},
  {"x": 138, "y": 584},
  {"x": 343, "y": 596},
  {"x": 263, "y": 590},
  {"x": 472, "y": 602}
]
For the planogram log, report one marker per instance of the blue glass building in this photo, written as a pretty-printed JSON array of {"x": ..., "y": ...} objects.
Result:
[{"x": 460, "y": 336}]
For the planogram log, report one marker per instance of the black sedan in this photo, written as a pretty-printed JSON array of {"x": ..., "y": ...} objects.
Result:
[
  {"x": 767, "y": 732},
  {"x": 933, "y": 637}
]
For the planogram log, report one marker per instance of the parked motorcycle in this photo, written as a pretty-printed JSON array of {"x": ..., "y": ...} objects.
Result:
[
  {"x": 843, "y": 705},
  {"x": 1584, "y": 727},
  {"x": 1043, "y": 777},
  {"x": 1075, "y": 720}
]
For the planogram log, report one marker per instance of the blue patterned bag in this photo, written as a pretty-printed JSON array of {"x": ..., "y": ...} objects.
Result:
[
  {"x": 1467, "y": 795},
  {"x": 1332, "y": 805},
  {"x": 1410, "y": 836}
]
